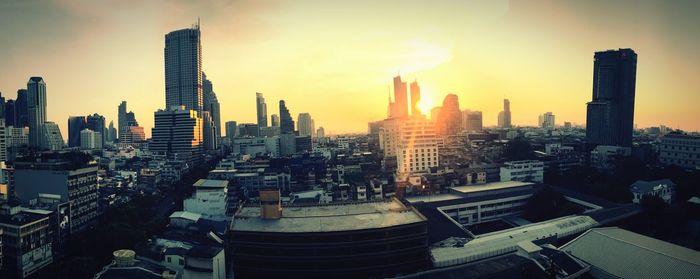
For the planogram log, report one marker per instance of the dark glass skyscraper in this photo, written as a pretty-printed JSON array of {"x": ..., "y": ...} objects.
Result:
[
  {"x": 183, "y": 69},
  {"x": 610, "y": 115},
  {"x": 10, "y": 113},
  {"x": 75, "y": 125},
  {"x": 96, "y": 123},
  {"x": 36, "y": 106},
  {"x": 261, "y": 108},
  {"x": 286, "y": 121},
  {"x": 21, "y": 109}
]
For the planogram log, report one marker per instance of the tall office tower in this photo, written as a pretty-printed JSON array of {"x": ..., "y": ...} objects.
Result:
[
  {"x": 399, "y": 108},
  {"x": 177, "y": 134},
  {"x": 415, "y": 98},
  {"x": 546, "y": 120},
  {"x": 474, "y": 121},
  {"x": 320, "y": 132},
  {"x": 231, "y": 129},
  {"x": 96, "y": 123},
  {"x": 209, "y": 141},
  {"x": 305, "y": 124},
  {"x": 416, "y": 147},
  {"x": 211, "y": 104},
  {"x": 75, "y": 125},
  {"x": 51, "y": 136},
  {"x": 71, "y": 177},
  {"x": 22, "y": 109},
  {"x": 275, "y": 120},
  {"x": 10, "y": 113},
  {"x": 504, "y": 116},
  {"x": 111, "y": 132},
  {"x": 286, "y": 121},
  {"x": 261, "y": 108},
  {"x": 90, "y": 139},
  {"x": 610, "y": 115},
  {"x": 450, "y": 117},
  {"x": 36, "y": 107},
  {"x": 121, "y": 118},
  {"x": 131, "y": 119},
  {"x": 183, "y": 69}
]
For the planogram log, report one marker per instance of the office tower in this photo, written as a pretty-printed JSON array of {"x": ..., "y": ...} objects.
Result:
[
  {"x": 10, "y": 113},
  {"x": 305, "y": 124},
  {"x": 133, "y": 136},
  {"x": 75, "y": 125},
  {"x": 90, "y": 139},
  {"x": 275, "y": 120},
  {"x": 504, "y": 116},
  {"x": 399, "y": 108},
  {"x": 36, "y": 108},
  {"x": 231, "y": 129},
  {"x": 2, "y": 106},
  {"x": 473, "y": 120},
  {"x": 320, "y": 132},
  {"x": 96, "y": 123},
  {"x": 22, "y": 109},
  {"x": 415, "y": 98},
  {"x": 610, "y": 115},
  {"x": 111, "y": 132},
  {"x": 70, "y": 176},
  {"x": 16, "y": 136},
  {"x": 261, "y": 108},
  {"x": 546, "y": 120},
  {"x": 416, "y": 147},
  {"x": 211, "y": 104},
  {"x": 52, "y": 138},
  {"x": 183, "y": 69},
  {"x": 286, "y": 121},
  {"x": 177, "y": 134},
  {"x": 450, "y": 117},
  {"x": 209, "y": 141},
  {"x": 248, "y": 130},
  {"x": 121, "y": 118}
]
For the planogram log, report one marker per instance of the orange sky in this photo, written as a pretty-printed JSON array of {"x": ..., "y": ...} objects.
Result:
[{"x": 335, "y": 59}]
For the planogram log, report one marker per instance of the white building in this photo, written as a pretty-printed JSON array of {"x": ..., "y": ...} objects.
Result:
[
  {"x": 665, "y": 189},
  {"x": 209, "y": 199},
  {"x": 680, "y": 150},
  {"x": 16, "y": 136},
  {"x": 53, "y": 140},
  {"x": 90, "y": 139},
  {"x": 417, "y": 147},
  {"x": 603, "y": 156},
  {"x": 528, "y": 170},
  {"x": 546, "y": 120}
]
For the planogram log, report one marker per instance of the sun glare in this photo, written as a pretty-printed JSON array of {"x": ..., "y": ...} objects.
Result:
[{"x": 425, "y": 104}]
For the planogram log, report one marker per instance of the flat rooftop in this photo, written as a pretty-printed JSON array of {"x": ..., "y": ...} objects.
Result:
[
  {"x": 328, "y": 218},
  {"x": 211, "y": 183},
  {"x": 433, "y": 198},
  {"x": 491, "y": 186}
]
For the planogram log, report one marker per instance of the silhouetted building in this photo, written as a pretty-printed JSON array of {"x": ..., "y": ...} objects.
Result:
[
  {"x": 231, "y": 129},
  {"x": 96, "y": 123},
  {"x": 504, "y": 116},
  {"x": 473, "y": 120},
  {"x": 248, "y": 130},
  {"x": 36, "y": 107},
  {"x": 415, "y": 98},
  {"x": 51, "y": 136},
  {"x": 681, "y": 150},
  {"x": 183, "y": 69},
  {"x": 286, "y": 121},
  {"x": 22, "y": 109},
  {"x": 10, "y": 113},
  {"x": 610, "y": 115},
  {"x": 211, "y": 104},
  {"x": 399, "y": 108},
  {"x": 275, "y": 120},
  {"x": 261, "y": 109},
  {"x": 178, "y": 134},
  {"x": 121, "y": 119},
  {"x": 449, "y": 120},
  {"x": 75, "y": 125}
]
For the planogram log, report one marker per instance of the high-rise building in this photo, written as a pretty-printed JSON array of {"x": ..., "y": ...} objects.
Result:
[
  {"x": 435, "y": 113},
  {"x": 415, "y": 98},
  {"x": 52, "y": 138},
  {"x": 320, "y": 132},
  {"x": 248, "y": 130},
  {"x": 305, "y": 124},
  {"x": 399, "y": 108},
  {"x": 111, "y": 132},
  {"x": 36, "y": 107},
  {"x": 231, "y": 129},
  {"x": 90, "y": 139},
  {"x": 546, "y": 120},
  {"x": 133, "y": 136},
  {"x": 21, "y": 109},
  {"x": 275, "y": 120},
  {"x": 183, "y": 69},
  {"x": 75, "y": 125},
  {"x": 178, "y": 134},
  {"x": 286, "y": 121},
  {"x": 610, "y": 114},
  {"x": 211, "y": 104},
  {"x": 473, "y": 120},
  {"x": 261, "y": 109},
  {"x": 16, "y": 136},
  {"x": 121, "y": 118},
  {"x": 3, "y": 141},
  {"x": 417, "y": 147},
  {"x": 96, "y": 123},
  {"x": 209, "y": 140},
  {"x": 10, "y": 113},
  {"x": 504, "y": 116},
  {"x": 450, "y": 118}
]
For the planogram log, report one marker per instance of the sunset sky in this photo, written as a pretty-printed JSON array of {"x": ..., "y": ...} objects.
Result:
[{"x": 336, "y": 59}]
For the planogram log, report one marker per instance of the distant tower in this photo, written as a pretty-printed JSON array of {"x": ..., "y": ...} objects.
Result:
[
  {"x": 75, "y": 125},
  {"x": 261, "y": 108},
  {"x": 286, "y": 121},
  {"x": 305, "y": 124},
  {"x": 610, "y": 115},
  {"x": 36, "y": 107},
  {"x": 449, "y": 121},
  {"x": 183, "y": 69},
  {"x": 400, "y": 98},
  {"x": 415, "y": 98},
  {"x": 96, "y": 123},
  {"x": 22, "y": 109},
  {"x": 504, "y": 116},
  {"x": 121, "y": 119},
  {"x": 275, "y": 120}
]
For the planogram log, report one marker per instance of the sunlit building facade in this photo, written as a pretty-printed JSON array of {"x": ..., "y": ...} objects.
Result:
[
  {"x": 178, "y": 134},
  {"x": 417, "y": 148}
]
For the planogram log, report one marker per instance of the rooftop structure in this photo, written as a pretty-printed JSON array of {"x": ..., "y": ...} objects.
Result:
[{"x": 210, "y": 183}]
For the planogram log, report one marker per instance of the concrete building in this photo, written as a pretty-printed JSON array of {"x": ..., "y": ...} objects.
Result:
[
  {"x": 178, "y": 134},
  {"x": 417, "y": 149},
  {"x": 664, "y": 189},
  {"x": 546, "y": 120},
  {"x": 209, "y": 199},
  {"x": 16, "y": 136},
  {"x": 603, "y": 157},
  {"x": 472, "y": 120},
  {"x": 504, "y": 117},
  {"x": 211, "y": 104},
  {"x": 90, "y": 140},
  {"x": 529, "y": 170},
  {"x": 360, "y": 240},
  {"x": 231, "y": 129},
  {"x": 681, "y": 150},
  {"x": 399, "y": 108},
  {"x": 305, "y": 124},
  {"x": 261, "y": 109},
  {"x": 127, "y": 265},
  {"x": 26, "y": 243},
  {"x": 133, "y": 136},
  {"x": 52, "y": 138},
  {"x": 205, "y": 262},
  {"x": 75, "y": 125}
]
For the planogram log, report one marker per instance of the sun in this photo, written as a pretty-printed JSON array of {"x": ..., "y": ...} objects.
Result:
[{"x": 425, "y": 104}]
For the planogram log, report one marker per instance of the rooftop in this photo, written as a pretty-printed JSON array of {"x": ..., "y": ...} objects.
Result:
[
  {"x": 328, "y": 218},
  {"x": 211, "y": 183},
  {"x": 641, "y": 186},
  {"x": 186, "y": 215},
  {"x": 609, "y": 250},
  {"x": 491, "y": 186}
]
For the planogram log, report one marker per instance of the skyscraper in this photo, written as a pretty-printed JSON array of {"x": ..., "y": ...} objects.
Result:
[
  {"x": 111, "y": 132},
  {"x": 546, "y": 120},
  {"x": 178, "y": 134},
  {"x": 10, "y": 113},
  {"x": 75, "y": 125},
  {"x": 415, "y": 98},
  {"x": 51, "y": 136},
  {"x": 211, "y": 104},
  {"x": 121, "y": 118},
  {"x": 504, "y": 116},
  {"x": 261, "y": 108},
  {"x": 36, "y": 107},
  {"x": 610, "y": 114},
  {"x": 96, "y": 123},
  {"x": 183, "y": 69},
  {"x": 305, "y": 125},
  {"x": 399, "y": 108},
  {"x": 449, "y": 120},
  {"x": 286, "y": 121},
  {"x": 22, "y": 109},
  {"x": 231, "y": 129},
  {"x": 275, "y": 120}
]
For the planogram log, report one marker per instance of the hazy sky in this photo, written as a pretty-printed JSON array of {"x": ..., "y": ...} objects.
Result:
[{"x": 335, "y": 59}]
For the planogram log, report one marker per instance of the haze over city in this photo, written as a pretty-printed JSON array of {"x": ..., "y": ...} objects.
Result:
[{"x": 336, "y": 59}]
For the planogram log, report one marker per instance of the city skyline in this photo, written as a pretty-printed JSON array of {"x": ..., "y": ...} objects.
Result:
[{"x": 539, "y": 64}]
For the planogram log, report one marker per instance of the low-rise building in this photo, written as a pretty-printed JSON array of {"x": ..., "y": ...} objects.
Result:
[
  {"x": 681, "y": 150},
  {"x": 26, "y": 242},
  {"x": 664, "y": 189},
  {"x": 209, "y": 199},
  {"x": 528, "y": 170}
]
